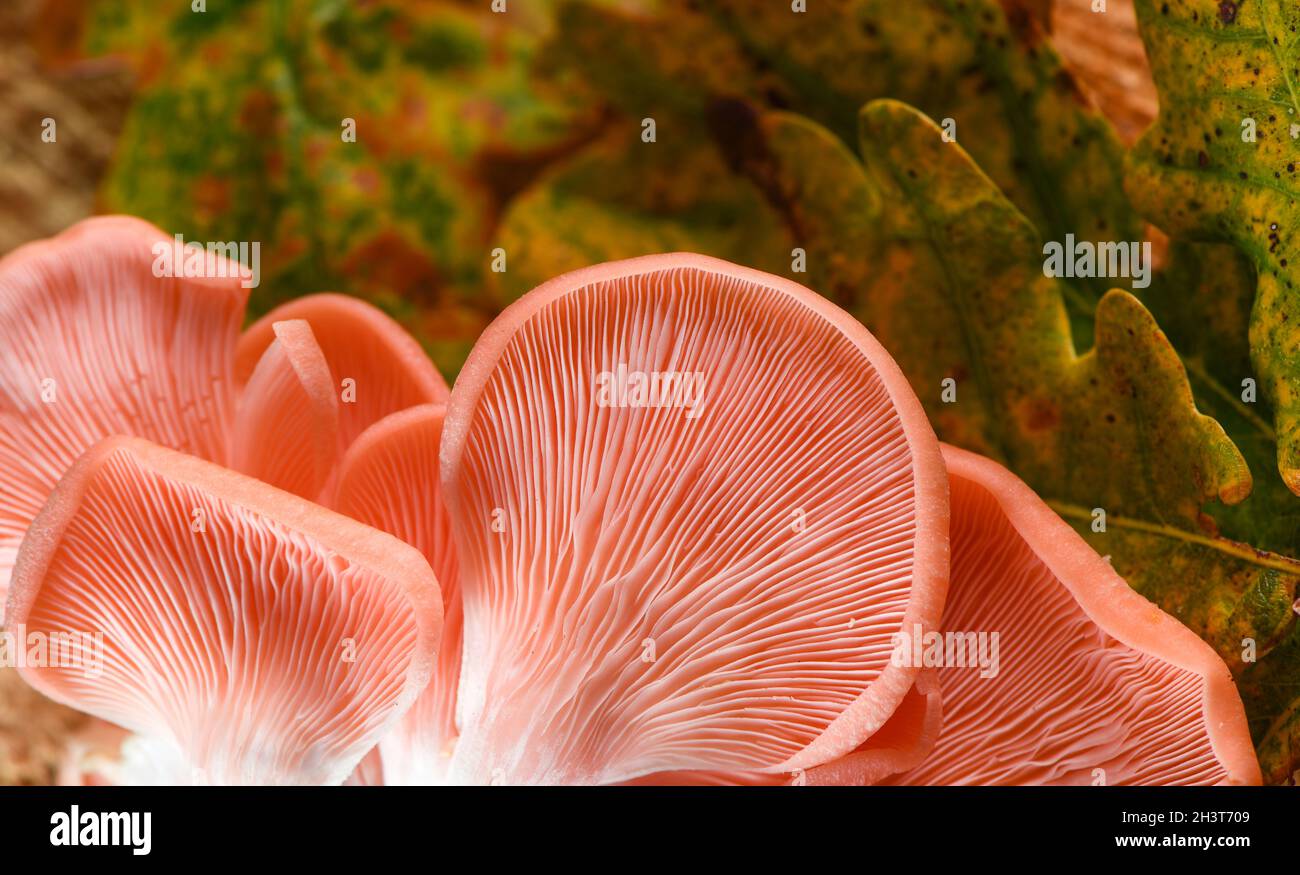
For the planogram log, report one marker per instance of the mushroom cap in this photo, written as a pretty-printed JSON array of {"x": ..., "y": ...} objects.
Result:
[
  {"x": 654, "y": 584},
  {"x": 1094, "y": 683},
  {"x": 100, "y": 341},
  {"x": 389, "y": 370},
  {"x": 94, "y": 344},
  {"x": 287, "y": 424},
  {"x": 244, "y": 634},
  {"x": 901, "y": 744},
  {"x": 389, "y": 480}
]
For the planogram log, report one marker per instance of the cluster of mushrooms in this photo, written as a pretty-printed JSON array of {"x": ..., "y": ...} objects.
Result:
[{"x": 307, "y": 561}]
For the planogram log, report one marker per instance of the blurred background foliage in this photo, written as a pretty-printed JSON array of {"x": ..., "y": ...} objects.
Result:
[
  {"x": 520, "y": 129},
  {"x": 235, "y": 132}
]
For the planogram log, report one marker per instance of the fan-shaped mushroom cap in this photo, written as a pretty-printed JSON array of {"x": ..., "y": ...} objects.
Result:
[
  {"x": 245, "y": 634},
  {"x": 387, "y": 369},
  {"x": 389, "y": 480},
  {"x": 95, "y": 344},
  {"x": 1093, "y": 683},
  {"x": 692, "y": 503},
  {"x": 902, "y": 743},
  {"x": 287, "y": 426}
]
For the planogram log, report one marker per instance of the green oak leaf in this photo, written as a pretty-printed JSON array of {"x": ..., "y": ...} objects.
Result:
[
  {"x": 1131, "y": 441},
  {"x": 1220, "y": 164},
  {"x": 1115, "y": 428},
  {"x": 984, "y": 64},
  {"x": 952, "y": 282},
  {"x": 1202, "y": 299},
  {"x": 1071, "y": 425}
]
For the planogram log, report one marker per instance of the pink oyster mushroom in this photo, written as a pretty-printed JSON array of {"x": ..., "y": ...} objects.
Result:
[
  {"x": 700, "y": 581},
  {"x": 98, "y": 345},
  {"x": 249, "y": 636},
  {"x": 1134, "y": 696},
  {"x": 1089, "y": 683},
  {"x": 653, "y": 588},
  {"x": 1095, "y": 684}
]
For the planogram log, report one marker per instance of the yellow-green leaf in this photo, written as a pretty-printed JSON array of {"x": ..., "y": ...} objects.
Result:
[{"x": 1220, "y": 164}]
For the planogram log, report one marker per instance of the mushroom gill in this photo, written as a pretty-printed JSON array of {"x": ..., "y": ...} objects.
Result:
[
  {"x": 1093, "y": 684},
  {"x": 389, "y": 480},
  {"x": 692, "y": 504},
  {"x": 95, "y": 344},
  {"x": 98, "y": 342},
  {"x": 245, "y": 635}
]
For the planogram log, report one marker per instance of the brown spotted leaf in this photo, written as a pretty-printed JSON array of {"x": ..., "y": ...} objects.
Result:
[{"x": 1202, "y": 300}]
